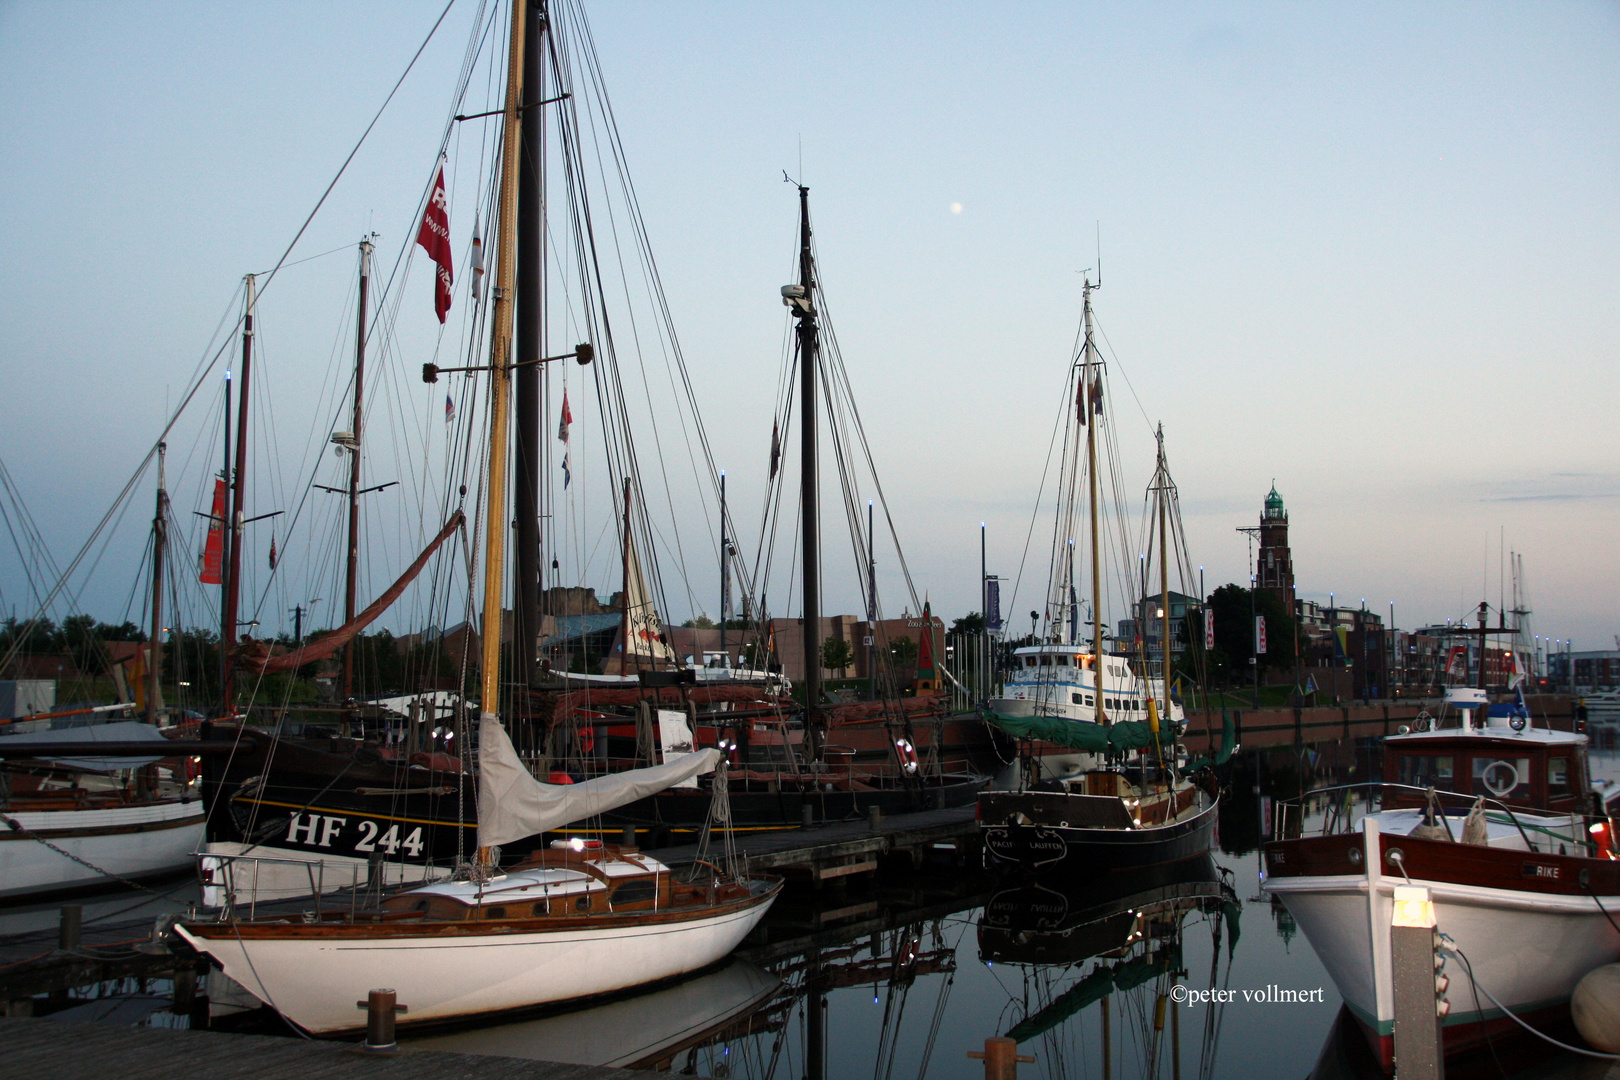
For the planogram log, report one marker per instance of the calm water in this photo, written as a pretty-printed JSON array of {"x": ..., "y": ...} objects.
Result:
[{"x": 903, "y": 976}]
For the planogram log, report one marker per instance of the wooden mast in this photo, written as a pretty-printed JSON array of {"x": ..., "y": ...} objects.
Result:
[
  {"x": 353, "y": 567},
  {"x": 624, "y": 595},
  {"x": 154, "y": 648},
  {"x": 805, "y": 312},
  {"x": 1164, "y": 581},
  {"x": 495, "y": 522},
  {"x": 530, "y": 345},
  {"x": 1092, "y": 420},
  {"x": 237, "y": 488}
]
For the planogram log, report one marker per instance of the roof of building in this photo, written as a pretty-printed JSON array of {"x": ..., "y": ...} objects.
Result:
[{"x": 1274, "y": 503}]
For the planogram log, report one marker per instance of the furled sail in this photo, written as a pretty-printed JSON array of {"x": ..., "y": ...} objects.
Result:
[
  {"x": 512, "y": 804},
  {"x": 644, "y": 643},
  {"x": 256, "y": 655}
]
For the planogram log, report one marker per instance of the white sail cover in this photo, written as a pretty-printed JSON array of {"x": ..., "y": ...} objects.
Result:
[{"x": 513, "y": 805}]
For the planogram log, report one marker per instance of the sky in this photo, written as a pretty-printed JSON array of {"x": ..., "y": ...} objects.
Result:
[{"x": 1367, "y": 252}]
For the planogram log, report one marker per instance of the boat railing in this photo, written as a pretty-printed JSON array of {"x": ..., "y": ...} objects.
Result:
[
  {"x": 221, "y": 878},
  {"x": 1340, "y": 816}
]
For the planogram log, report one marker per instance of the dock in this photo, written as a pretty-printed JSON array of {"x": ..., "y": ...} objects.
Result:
[
  {"x": 826, "y": 853},
  {"x": 62, "y": 1050}
]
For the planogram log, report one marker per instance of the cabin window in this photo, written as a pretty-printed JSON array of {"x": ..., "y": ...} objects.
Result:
[
  {"x": 1558, "y": 783},
  {"x": 1075, "y": 698},
  {"x": 1502, "y": 778},
  {"x": 1088, "y": 699},
  {"x": 1046, "y": 661},
  {"x": 1426, "y": 771},
  {"x": 1030, "y": 661},
  {"x": 496, "y": 912},
  {"x": 539, "y": 909},
  {"x": 582, "y": 903},
  {"x": 635, "y": 891}
]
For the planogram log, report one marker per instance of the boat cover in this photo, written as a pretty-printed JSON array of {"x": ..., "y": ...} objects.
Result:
[
  {"x": 121, "y": 731},
  {"x": 512, "y": 804}
]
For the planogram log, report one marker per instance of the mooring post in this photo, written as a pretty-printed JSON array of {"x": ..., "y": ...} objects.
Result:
[
  {"x": 1001, "y": 1058},
  {"x": 875, "y": 816},
  {"x": 807, "y": 815},
  {"x": 627, "y": 838},
  {"x": 68, "y": 930},
  {"x": 1418, "y": 984},
  {"x": 380, "y": 1008}
]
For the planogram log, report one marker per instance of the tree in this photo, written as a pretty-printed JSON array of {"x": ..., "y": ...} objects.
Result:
[
  {"x": 971, "y": 623},
  {"x": 902, "y": 649},
  {"x": 1234, "y": 610},
  {"x": 837, "y": 654},
  {"x": 702, "y": 622}
]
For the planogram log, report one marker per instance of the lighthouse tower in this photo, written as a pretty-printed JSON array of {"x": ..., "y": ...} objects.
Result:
[{"x": 1276, "y": 567}]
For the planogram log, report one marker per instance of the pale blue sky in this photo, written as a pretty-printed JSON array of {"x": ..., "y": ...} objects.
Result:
[{"x": 1371, "y": 251}]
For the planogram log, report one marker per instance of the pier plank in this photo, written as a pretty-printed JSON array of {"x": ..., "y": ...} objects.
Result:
[{"x": 61, "y": 1050}]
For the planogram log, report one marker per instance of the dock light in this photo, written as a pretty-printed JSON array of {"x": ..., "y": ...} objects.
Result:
[{"x": 1413, "y": 907}]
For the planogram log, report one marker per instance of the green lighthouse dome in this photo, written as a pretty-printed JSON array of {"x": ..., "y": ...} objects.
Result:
[{"x": 1274, "y": 505}]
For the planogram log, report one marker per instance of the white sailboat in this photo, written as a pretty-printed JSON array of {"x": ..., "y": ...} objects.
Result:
[{"x": 574, "y": 921}]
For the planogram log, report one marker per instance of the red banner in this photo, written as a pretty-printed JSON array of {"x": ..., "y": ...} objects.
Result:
[
  {"x": 213, "y": 556},
  {"x": 434, "y": 236}
]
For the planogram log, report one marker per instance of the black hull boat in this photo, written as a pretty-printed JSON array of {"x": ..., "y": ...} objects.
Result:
[{"x": 1055, "y": 832}]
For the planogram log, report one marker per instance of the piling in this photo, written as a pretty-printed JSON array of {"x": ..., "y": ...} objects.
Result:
[
  {"x": 1001, "y": 1058},
  {"x": 1413, "y": 940},
  {"x": 68, "y": 930},
  {"x": 380, "y": 1006}
]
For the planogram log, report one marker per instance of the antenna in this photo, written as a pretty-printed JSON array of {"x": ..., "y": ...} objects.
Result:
[{"x": 1099, "y": 253}]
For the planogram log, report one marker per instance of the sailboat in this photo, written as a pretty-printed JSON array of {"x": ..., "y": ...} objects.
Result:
[
  {"x": 1103, "y": 783},
  {"x": 576, "y": 920},
  {"x": 75, "y": 819}
]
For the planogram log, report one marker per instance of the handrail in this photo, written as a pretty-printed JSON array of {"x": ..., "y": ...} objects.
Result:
[{"x": 1381, "y": 784}]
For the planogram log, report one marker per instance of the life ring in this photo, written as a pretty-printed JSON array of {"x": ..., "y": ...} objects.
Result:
[
  {"x": 1494, "y": 775},
  {"x": 587, "y": 739},
  {"x": 1602, "y": 839},
  {"x": 559, "y": 777},
  {"x": 907, "y": 754}
]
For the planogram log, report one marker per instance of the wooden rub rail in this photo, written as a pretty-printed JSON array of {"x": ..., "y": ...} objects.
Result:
[{"x": 60, "y": 1050}]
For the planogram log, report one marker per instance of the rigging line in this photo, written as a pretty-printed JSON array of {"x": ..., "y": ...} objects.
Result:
[{"x": 1122, "y": 374}]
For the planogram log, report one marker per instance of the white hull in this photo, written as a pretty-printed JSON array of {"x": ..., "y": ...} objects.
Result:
[
  {"x": 1529, "y": 949},
  {"x": 315, "y": 981},
  {"x": 129, "y": 841}
]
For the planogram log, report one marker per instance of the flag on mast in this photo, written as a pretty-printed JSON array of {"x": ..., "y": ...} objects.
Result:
[
  {"x": 477, "y": 262},
  {"x": 562, "y": 434},
  {"x": 776, "y": 448},
  {"x": 434, "y": 236},
  {"x": 272, "y": 553},
  {"x": 212, "y": 571},
  {"x": 449, "y": 409}
]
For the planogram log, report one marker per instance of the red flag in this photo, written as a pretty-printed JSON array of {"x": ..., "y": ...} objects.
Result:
[
  {"x": 567, "y": 418},
  {"x": 213, "y": 558},
  {"x": 272, "y": 553},
  {"x": 434, "y": 236},
  {"x": 776, "y": 449}
]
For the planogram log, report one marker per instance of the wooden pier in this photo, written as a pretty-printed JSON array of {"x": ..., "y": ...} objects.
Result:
[
  {"x": 62, "y": 1050},
  {"x": 827, "y": 853}
]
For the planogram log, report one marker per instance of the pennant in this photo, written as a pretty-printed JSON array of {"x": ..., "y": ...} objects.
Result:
[
  {"x": 212, "y": 571},
  {"x": 477, "y": 262},
  {"x": 1080, "y": 401},
  {"x": 449, "y": 409},
  {"x": 568, "y": 473},
  {"x": 272, "y": 553},
  {"x": 776, "y": 449},
  {"x": 434, "y": 236},
  {"x": 567, "y": 418}
]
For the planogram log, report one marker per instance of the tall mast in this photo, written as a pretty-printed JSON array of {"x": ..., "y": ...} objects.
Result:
[
  {"x": 624, "y": 601},
  {"x": 154, "y": 649},
  {"x": 725, "y": 573},
  {"x": 1097, "y": 663},
  {"x": 530, "y": 346},
  {"x": 353, "y": 569},
  {"x": 500, "y": 361},
  {"x": 233, "y": 515},
  {"x": 1164, "y": 579},
  {"x": 805, "y": 311}
]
